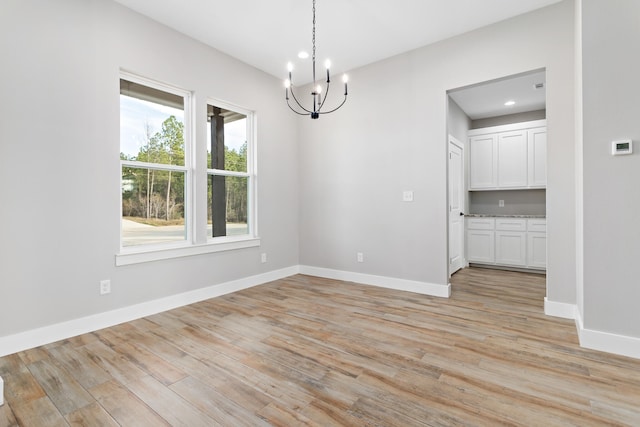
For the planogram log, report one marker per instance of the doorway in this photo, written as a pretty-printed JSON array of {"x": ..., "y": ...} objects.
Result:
[{"x": 498, "y": 104}]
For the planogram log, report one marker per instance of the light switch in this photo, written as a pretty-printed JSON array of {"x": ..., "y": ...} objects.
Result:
[{"x": 407, "y": 196}]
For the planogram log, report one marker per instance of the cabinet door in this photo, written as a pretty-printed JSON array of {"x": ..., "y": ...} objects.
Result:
[
  {"x": 537, "y": 145},
  {"x": 480, "y": 246},
  {"x": 512, "y": 159},
  {"x": 511, "y": 248},
  {"x": 482, "y": 162},
  {"x": 536, "y": 250}
]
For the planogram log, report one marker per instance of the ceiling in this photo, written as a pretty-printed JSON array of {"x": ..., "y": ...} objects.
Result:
[
  {"x": 488, "y": 99},
  {"x": 268, "y": 33}
]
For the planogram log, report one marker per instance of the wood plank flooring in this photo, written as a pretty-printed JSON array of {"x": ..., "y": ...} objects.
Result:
[{"x": 320, "y": 352}]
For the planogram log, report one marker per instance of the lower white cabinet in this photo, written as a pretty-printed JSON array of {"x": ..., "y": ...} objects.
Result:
[
  {"x": 480, "y": 246},
  {"x": 511, "y": 248},
  {"x": 512, "y": 242}
]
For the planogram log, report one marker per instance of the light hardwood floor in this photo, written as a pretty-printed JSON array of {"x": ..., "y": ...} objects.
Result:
[{"x": 311, "y": 351}]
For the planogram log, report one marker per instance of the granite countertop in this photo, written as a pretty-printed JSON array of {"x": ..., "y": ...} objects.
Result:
[{"x": 503, "y": 216}]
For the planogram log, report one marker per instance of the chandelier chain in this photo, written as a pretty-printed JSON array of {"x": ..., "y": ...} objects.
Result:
[{"x": 313, "y": 42}]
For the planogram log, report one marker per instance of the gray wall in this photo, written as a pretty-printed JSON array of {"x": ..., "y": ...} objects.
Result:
[
  {"x": 59, "y": 159},
  {"x": 516, "y": 202},
  {"x": 357, "y": 162},
  {"x": 611, "y": 229},
  {"x": 509, "y": 119},
  {"x": 458, "y": 123}
]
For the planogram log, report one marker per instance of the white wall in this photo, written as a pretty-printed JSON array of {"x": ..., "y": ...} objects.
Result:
[
  {"x": 59, "y": 159},
  {"x": 391, "y": 136},
  {"x": 611, "y": 230}
]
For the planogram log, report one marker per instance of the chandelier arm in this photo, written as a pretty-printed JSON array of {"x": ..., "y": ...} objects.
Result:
[
  {"x": 298, "y": 102},
  {"x": 297, "y": 112},
  {"x": 341, "y": 104},
  {"x": 326, "y": 93}
]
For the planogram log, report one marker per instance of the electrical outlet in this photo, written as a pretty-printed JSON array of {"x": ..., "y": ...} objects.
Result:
[
  {"x": 105, "y": 287},
  {"x": 407, "y": 196},
  {"x": 360, "y": 257},
  {"x": 263, "y": 257},
  {"x": 501, "y": 203}
]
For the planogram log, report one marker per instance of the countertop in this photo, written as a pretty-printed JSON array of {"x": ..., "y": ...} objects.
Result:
[{"x": 503, "y": 216}]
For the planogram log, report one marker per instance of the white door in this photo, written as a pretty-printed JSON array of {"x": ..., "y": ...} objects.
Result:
[{"x": 456, "y": 205}]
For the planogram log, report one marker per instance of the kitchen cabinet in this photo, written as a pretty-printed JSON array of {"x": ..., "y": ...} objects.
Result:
[
  {"x": 536, "y": 243},
  {"x": 481, "y": 240},
  {"x": 537, "y": 157},
  {"x": 511, "y": 241},
  {"x": 508, "y": 157},
  {"x": 512, "y": 159},
  {"x": 483, "y": 173},
  {"x": 507, "y": 241}
]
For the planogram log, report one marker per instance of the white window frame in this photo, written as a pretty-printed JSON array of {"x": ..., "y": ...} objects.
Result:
[
  {"x": 250, "y": 174},
  {"x": 196, "y": 242}
]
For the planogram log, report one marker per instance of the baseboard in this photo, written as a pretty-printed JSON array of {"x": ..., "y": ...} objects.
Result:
[
  {"x": 381, "y": 281},
  {"x": 559, "y": 309},
  {"x": 604, "y": 341},
  {"x": 48, "y": 334}
]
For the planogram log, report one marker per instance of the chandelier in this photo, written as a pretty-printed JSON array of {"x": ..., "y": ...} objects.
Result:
[{"x": 318, "y": 99}]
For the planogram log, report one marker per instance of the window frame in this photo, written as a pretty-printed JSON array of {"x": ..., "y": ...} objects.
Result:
[
  {"x": 250, "y": 174},
  {"x": 196, "y": 240}
]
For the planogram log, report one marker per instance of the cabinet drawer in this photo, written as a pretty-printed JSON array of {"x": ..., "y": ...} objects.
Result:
[
  {"x": 480, "y": 223},
  {"x": 511, "y": 224},
  {"x": 536, "y": 225}
]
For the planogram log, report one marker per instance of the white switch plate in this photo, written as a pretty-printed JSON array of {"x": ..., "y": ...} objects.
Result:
[
  {"x": 360, "y": 257},
  {"x": 501, "y": 203},
  {"x": 263, "y": 257},
  {"x": 407, "y": 196}
]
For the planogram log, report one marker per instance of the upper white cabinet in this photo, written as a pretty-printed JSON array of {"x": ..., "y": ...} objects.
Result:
[
  {"x": 508, "y": 157},
  {"x": 537, "y": 157},
  {"x": 512, "y": 159},
  {"x": 483, "y": 171}
]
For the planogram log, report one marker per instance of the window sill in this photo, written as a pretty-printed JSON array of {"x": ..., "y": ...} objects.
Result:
[{"x": 139, "y": 255}]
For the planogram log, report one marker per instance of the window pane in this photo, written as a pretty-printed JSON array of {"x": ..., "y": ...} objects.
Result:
[
  {"x": 151, "y": 125},
  {"x": 152, "y": 206},
  {"x": 227, "y": 136},
  {"x": 227, "y": 212}
]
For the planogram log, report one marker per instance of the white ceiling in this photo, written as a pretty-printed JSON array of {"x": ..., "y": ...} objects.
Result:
[
  {"x": 487, "y": 99},
  {"x": 268, "y": 33}
]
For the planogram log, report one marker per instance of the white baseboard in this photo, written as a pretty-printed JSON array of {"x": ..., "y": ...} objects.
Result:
[
  {"x": 559, "y": 309},
  {"x": 604, "y": 341},
  {"x": 381, "y": 281},
  {"x": 48, "y": 334},
  {"x": 596, "y": 340}
]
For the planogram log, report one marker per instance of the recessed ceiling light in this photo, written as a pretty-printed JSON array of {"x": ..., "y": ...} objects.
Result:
[
  {"x": 303, "y": 55},
  {"x": 509, "y": 103}
]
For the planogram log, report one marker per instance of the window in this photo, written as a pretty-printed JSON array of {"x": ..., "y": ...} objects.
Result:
[
  {"x": 162, "y": 200},
  {"x": 228, "y": 180},
  {"x": 154, "y": 165}
]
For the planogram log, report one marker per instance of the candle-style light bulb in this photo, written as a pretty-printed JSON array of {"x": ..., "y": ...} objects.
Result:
[
  {"x": 290, "y": 69},
  {"x": 318, "y": 89},
  {"x": 345, "y": 79},
  {"x": 287, "y": 83},
  {"x": 327, "y": 65}
]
